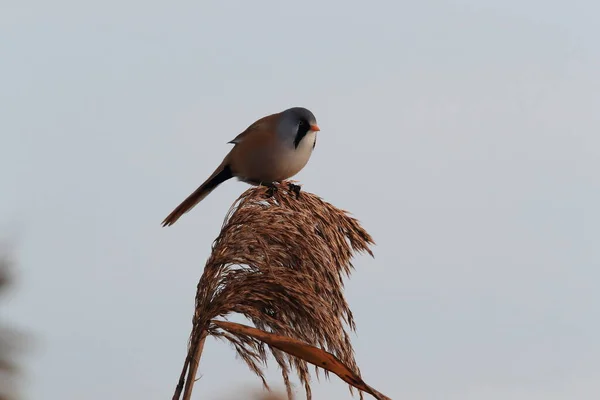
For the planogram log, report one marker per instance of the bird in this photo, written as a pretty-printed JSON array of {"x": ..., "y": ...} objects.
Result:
[{"x": 272, "y": 149}]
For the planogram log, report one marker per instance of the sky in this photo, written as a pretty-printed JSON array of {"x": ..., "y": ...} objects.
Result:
[{"x": 463, "y": 134}]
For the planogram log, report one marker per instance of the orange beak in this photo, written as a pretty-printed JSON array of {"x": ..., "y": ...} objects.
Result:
[{"x": 315, "y": 128}]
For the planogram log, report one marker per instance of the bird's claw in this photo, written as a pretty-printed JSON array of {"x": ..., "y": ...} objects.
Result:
[
  {"x": 294, "y": 188},
  {"x": 271, "y": 189}
]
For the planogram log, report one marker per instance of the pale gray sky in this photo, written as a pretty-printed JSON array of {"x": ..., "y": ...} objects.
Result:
[{"x": 465, "y": 135}]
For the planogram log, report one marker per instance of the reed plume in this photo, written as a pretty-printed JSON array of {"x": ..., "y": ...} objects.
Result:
[{"x": 280, "y": 260}]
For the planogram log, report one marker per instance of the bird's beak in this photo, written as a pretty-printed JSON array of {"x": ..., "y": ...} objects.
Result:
[{"x": 315, "y": 128}]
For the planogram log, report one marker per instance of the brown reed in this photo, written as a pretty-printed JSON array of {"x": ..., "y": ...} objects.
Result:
[{"x": 279, "y": 260}]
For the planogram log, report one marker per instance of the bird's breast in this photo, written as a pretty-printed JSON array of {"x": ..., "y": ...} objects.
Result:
[{"x": 274, "y": 161}]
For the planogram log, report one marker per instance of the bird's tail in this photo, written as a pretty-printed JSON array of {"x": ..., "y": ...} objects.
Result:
[{"x": 221, "y": 174}]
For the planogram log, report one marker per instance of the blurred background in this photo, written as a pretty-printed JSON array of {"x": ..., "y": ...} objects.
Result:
[{"x": 464, "y": 134}]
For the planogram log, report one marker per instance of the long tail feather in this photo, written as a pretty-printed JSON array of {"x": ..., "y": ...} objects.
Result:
[{"x": 220, "y": 175}]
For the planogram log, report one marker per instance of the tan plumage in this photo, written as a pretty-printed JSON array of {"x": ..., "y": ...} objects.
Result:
[{"x": 273, "y": 148}]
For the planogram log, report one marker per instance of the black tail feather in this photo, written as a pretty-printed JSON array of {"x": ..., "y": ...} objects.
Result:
[{"x": 222, "y": 174}]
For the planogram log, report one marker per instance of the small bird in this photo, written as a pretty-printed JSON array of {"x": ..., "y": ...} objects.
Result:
[{"x": 274, "y": 148}]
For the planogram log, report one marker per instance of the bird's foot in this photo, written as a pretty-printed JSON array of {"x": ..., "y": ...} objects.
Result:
[
  {"x": 271, "y": 189},
  {"x": 294, "y": 188}
]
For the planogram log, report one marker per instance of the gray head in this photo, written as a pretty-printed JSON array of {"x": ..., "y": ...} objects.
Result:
[{"x": 295, "y": 123}]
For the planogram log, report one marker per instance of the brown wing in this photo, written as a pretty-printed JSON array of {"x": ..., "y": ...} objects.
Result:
[{"x": 263, "y": 124}]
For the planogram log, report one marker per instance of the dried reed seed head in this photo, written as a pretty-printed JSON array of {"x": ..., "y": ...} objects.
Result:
[{"x": 280, "y": 260}]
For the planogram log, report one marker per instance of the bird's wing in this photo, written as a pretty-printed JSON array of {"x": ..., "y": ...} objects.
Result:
[{"x": 265, "y": 124}]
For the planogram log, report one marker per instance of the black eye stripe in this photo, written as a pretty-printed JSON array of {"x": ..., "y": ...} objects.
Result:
[{"x": 303, "y": 128}]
